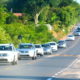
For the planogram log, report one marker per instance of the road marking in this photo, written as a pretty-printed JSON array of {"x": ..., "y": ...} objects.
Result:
[{"x": 63, "y": 70}]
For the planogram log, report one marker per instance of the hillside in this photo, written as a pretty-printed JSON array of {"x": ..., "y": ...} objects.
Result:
[{"x": 62, "y": 15}]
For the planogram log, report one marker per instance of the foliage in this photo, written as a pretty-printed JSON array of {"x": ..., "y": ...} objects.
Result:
[
  {"x": 11, "y": 19},
  {"x": 60, "y": 13},
  {"x": 43, "y": 16},
  {"x": 3, "y": 14}
]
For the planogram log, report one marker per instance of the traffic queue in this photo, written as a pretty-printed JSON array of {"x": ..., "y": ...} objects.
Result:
[{"x": 10, "y": 54}]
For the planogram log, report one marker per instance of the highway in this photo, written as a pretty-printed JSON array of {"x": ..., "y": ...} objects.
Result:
[{"x": 44, "y": 67}]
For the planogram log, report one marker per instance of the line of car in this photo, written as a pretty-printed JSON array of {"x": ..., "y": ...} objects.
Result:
[{"x": 8, "y": 53}]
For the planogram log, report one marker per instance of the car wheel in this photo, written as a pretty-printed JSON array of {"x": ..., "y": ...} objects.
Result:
[
  {"x": 41, "y": 54},
  {"x": 14, "y": 62},
  {"x": 19, "y": 58},
  {"x": 50, "y": 53},
  {"x": 33, "y": 58}
]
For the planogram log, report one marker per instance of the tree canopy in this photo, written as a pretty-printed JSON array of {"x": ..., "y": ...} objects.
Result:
[{"x": 61, "y": 14}]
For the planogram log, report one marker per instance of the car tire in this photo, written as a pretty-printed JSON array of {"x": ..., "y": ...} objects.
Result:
[
  {"x": 50, "y": 53},
  {"x": 41, "y": 55},
  {"x": 19, "y": 58},
  {"x": 33, "y": 58},
  {"x": 14, "y": 62}
]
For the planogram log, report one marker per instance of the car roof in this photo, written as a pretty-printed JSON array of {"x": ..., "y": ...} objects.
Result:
[
  {"x": 26, "y": 44},
  {"x": 37, "y": 44},
  {"x": 6, "y": 44},
  {"x": 51, "y": 42}
]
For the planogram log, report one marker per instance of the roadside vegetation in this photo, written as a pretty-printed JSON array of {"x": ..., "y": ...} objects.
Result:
[{"x": 61, "y": 14}]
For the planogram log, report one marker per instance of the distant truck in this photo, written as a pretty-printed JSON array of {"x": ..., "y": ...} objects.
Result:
[{"x": 8, "y": 54}]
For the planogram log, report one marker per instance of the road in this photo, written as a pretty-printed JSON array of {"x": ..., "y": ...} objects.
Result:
[{"x": 44, "y": 67}]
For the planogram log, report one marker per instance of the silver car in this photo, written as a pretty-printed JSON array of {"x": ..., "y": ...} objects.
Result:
[
  {"x": 27, "y": 50},
  {"x": 47, "y": 49},
  {"x": 77, "y": 33},
  {"x": 62, "y": 44}
]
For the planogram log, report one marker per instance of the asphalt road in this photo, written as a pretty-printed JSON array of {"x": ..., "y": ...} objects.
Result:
[{"x": 44, "y": 67}]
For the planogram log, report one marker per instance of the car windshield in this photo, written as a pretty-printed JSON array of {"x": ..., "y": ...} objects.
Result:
[
  {"x": 25, "y": 46},
  {"x": 70, "y": 36},
  {"x": 78, "y": 28},
  {"x": 5, "y": 48},
  {"x": 52, "y": 44},
  {"x": 37, "y": 46},
  {"x": 45, "y": 45},
  {"x": 61, "y": 41},
  {"x": 77, "y": 31}
]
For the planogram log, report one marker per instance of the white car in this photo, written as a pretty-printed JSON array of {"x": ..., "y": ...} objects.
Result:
[
  {"x": 27, "y": 50},
  {"x": 62, "y": 44},
  {"x": 47, "y": 49},
  {"x": 71, "y": 37},
  {"x": 39, "y": 49},
  {"x": 77, "y": 33},
  {"x": 8, "y": 54},
  {"x": 53, "y": 45}
]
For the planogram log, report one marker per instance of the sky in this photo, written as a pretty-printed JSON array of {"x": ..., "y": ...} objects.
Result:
[{"x": 78, "y": 1}]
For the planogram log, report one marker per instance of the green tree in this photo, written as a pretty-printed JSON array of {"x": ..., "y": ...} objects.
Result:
[
  {"x": 64, "y": 3},
  {"x": 3, "y": 14}
]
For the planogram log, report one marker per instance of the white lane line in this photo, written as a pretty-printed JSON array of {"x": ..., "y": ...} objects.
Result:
[{"x": 62, "y": 70}]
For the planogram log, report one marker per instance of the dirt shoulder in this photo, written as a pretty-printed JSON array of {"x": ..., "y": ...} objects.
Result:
[{"x": 61, "y": 35}]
